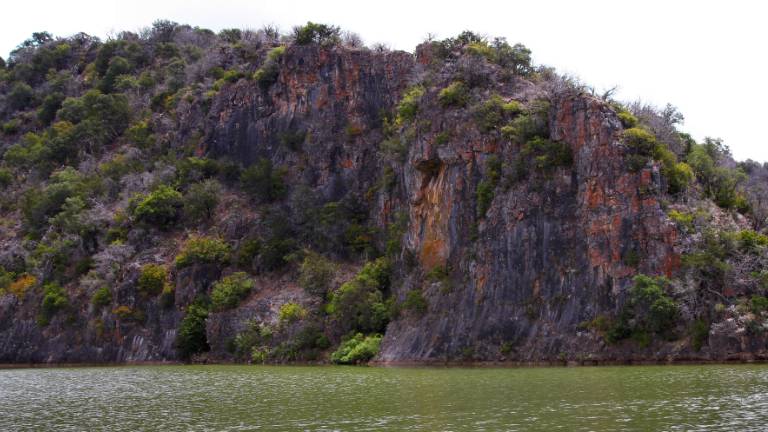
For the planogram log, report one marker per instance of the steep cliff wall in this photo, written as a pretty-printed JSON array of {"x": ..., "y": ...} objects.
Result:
[{"x": 511, "y": 216}]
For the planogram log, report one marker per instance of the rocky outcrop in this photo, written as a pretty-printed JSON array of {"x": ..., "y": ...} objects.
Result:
[{"x": 513, "y": 282}]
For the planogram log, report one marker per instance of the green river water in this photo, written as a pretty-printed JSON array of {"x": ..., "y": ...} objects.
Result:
[{"x": 268, "y": 398}]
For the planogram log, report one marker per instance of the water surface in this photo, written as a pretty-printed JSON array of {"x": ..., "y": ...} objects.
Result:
[{"x": 256, "y": 398}]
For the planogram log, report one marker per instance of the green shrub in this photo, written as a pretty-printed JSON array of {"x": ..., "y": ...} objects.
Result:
[
  {"x": 546, "y": 155},
  {"x": 321, "y": 34},
  {"x": 357, "y": 349},
  {"x": 409, "y": 105},
  {"x": 487, "y": 186},
  {"x": 648, "y": 295},
  {"x": 152, "y": 280},
  {"x": 263, "y": 182},
  {"x": 456, "y": 94},
  {"x": 758, "y": 304},
  {"x": 101, "y": 297},
  {"x": 751, "y": 241},
  {"x": 699, "y": 334},
  {"x": 531, "y": 124},
  {"x": 201, "y": 199},
  {"x": 490, "y": 114},
  {"x": 683, "y": 220},
  {"x": 203, "y": 250},
  {"x": 230, "y": 291},
  {"x": 20, "y": 96},
  {"x": 6, "y": 178},
  {"x": 316, "y": 274},
  {"x": 191, "y": 337},
  {"x": 10, "y": 127},
  {"x": 96, "y": 116},
  {"x": 51, "y": 104},
  {"x": 291, "y": 312},
  {"x": 679, "y": 175},
  {"x": 54, "y": 300},
  {"x": 161, "y": 207},
  {"x": 359, "y": 304}
]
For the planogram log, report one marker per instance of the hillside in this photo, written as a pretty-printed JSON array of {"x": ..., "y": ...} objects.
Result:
[{"x": 251, "y": 196}]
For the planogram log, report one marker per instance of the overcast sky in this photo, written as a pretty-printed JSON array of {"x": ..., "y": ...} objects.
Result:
[{"x": 707, "y": 58}]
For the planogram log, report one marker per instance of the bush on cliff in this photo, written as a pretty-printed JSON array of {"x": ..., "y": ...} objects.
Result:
[
  {"x": 316, "y": 274},
  {"x": 648, "y": 311},
  {"x": 191, "y": 337},
  {"x": 203, "y": 250},
  {"x": 359, "y": 305},
  {"x": 102, "y": 297},
  {"x": 54, "y": 300},
  {"x": 152, "y": 280},
  {"x": 160, "y": 208},
  {"x": 230, "y": 290},
  {"x": 455, "y": 95},
  {"x": 357, "y": 349},
  {"x": 321, "y": 34}
]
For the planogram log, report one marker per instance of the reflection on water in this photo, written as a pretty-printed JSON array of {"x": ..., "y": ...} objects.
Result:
[{"x": 255, "y": 398}]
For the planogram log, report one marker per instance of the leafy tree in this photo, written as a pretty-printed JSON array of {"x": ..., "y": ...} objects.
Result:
[
  {"x": 21, "y": 96},
  {"x": 316, "y": 274},
  {"x": 161, "y": 207},
  {"x": 321, "y": 34},
  {"x": 359, "y": 305},
  {"x": 191, "y": 337},
  {"x": 117, "y": 66},
  {"x": 51, "y": 104},
  {"x": 201, "y": 199}
]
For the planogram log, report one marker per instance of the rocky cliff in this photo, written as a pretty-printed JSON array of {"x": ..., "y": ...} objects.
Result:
[{"x": 241, "y": 198}]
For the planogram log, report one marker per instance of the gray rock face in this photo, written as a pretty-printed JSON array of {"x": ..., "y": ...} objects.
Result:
[{"x": 549, "y": 253}]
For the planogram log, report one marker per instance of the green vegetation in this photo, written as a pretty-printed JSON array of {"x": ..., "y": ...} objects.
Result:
[
  {"x": 359, "y": 305},
  {"x": 263, "y": 182},
  {"x": 201, "y": 200},
  {"x": 101, "y": 297},
  {"x": 648, "y": 311},
  {"x": 203, "y": 250},
  {"x": 546, "y": 154},
  {"x": 267, "y": 74},
  {"x": 321, "y": 34},
  {"x": 409, "y": 105},
  {"x": 490, "y": 114},
  {"x": 191, "y": 338},
  {"x": 316, "y": 274},
  {"x": 357, "y": 349},
  {"x": 54, "y": 300},
  {"x": 455, "y": 95},
  {"x": 487, "y": 186},
  {"x": 228, "y": 292},
  {"x": 160, "y": 208},
  {"x": 152, "y": 280},
  {"x": 291, "y": 312}
]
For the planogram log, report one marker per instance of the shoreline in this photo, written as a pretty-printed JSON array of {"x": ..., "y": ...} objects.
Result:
[{"x": 409, "y": 364}]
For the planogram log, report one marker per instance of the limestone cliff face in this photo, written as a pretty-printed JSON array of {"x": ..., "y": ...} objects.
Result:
[
  {"x": 512, "y": 282},
  {"x": 546, "y": 257}
]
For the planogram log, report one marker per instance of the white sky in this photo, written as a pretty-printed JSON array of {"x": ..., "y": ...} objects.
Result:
[{"x": 708, "y": 58}]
